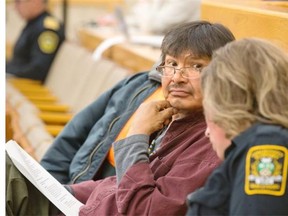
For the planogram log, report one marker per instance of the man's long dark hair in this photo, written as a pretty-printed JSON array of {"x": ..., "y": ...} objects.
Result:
[{"x": 199, "y": 37}]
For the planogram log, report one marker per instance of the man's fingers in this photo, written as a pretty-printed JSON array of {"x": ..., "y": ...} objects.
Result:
[
  {"x": 167, "y": 115},
  {"x": 163, "y": 104}
]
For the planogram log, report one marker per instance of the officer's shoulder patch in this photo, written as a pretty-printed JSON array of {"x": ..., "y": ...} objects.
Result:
[
  {"x": 51, "y": 23},
  {"x": 48, "y": 42},
  {"x": 266, "y": 170}
]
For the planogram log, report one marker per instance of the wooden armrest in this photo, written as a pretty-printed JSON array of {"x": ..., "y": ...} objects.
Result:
[
  {"x": 55, "y": 118},
  {"x": 52, "y": 107},
  {"x": 54, "y": 130}
]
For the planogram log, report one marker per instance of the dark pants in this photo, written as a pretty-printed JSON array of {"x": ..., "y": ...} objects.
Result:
[{"x": 22, "y": 198}]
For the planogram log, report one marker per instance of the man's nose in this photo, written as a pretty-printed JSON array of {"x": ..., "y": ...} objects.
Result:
[{"x": 177, "y": 76}]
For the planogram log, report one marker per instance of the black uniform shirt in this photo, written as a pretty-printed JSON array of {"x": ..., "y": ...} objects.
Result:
[
  {"x": 252, "y": 179},
  {"x": 36, "y": 48}
]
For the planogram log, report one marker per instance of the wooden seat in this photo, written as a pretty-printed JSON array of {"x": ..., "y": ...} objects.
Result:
[{"x": 43, "y": 110}]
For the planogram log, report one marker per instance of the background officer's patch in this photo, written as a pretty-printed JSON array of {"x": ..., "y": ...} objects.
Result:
[
  {"x": 51, "y": 23},
  {"x": 266, "y": 170},
  {"x": 48, "y": 42}
]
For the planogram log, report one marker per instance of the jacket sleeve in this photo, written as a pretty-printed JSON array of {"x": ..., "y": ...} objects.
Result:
[
  {"x": 127, "y": 153},
  {"x": 211, "y": 199},
  {"x": 82, "y": 191},
  {"x": 59, "y": 156},
  {"x": 141, "y": 192}
]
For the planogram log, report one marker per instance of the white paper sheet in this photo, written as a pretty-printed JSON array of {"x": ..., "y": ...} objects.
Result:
[{"x": 43, "y": 180}]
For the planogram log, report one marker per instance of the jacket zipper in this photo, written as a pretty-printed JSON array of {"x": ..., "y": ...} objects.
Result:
[
  {"x": 92, "y": 154},
  {"x": 100, "y": 144}
]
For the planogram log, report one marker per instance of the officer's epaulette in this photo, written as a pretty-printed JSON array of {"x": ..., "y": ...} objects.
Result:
[{"x": 51, "y": 23}]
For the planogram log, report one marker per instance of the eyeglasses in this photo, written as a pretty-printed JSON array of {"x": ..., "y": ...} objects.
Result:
[{"x": 186, "y": 72}]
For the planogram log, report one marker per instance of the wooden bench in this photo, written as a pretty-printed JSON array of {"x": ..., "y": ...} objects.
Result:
[
  {"x": 41, "y": 111},
  {"x": 250, "y": 18},
  {"x": 133, "y": 56}
]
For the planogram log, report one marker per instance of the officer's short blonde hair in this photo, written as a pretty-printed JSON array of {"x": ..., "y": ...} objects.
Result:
[{"x": 246, "y": 82}]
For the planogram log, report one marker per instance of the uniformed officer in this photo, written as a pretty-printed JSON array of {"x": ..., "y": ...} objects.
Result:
[
  {"x": 246, "y": 107},
  {"x": 38, "y": 43}
]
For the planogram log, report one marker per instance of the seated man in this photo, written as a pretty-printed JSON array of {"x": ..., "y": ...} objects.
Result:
[
  {"x": 38, "y": 43},
  {"x": 165, "y": 154},
  {"x": 81, "y": 151}
]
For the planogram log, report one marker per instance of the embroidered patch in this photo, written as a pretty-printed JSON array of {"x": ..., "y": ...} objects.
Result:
[
  {"x": 266, "y": 170},
  {"x": 48, "y": 42}
]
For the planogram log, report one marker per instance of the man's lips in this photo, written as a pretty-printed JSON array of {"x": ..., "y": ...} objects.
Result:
[{"x": 178, "y": 92}]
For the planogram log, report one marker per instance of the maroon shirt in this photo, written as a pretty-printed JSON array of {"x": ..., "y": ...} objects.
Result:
[{"x": 180, "y": 166}]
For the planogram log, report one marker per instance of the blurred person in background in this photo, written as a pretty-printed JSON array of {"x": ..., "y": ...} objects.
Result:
[
  {"x": 38, "y": 42},
  {"x": 156, "y": 16}
]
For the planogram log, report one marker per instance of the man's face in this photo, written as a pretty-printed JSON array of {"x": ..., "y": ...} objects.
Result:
[{"x": 183, "y": 93}]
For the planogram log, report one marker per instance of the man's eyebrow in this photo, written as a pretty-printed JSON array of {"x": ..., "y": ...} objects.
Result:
[
  {"x": 195, "y": 59},
  {"x": 170, "y": 60}
]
